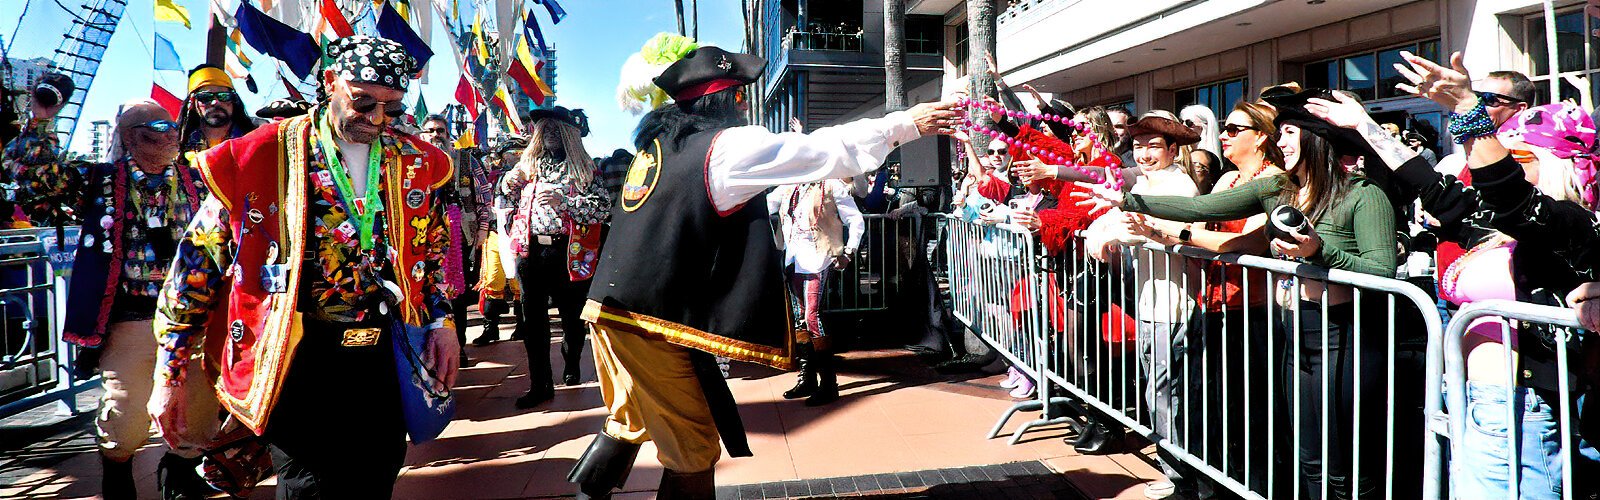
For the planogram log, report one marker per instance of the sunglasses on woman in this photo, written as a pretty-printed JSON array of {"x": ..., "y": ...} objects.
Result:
[
  {"x": 159, "y": 126},
  {"x": 1235, "y": 129},
  {"x": 213, "y": 97},
  {"x": 394, "y": 109}
]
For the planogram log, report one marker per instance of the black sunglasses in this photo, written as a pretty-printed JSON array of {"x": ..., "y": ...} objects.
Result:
[
  {"x": 213, "y": 97},
  {"x": 1494, "y": 99},
  {"x": 1235, "y": 129},
  {"x": 435, "y": 130},
  {"x": 394, "y": 109}
]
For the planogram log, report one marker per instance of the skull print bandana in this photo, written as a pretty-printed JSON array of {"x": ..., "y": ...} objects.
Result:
[
  {"x": 1567, "y": 132},
  {"x": 367, "y": 59}
]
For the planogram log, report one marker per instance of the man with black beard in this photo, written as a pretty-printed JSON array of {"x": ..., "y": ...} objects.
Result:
[{"x": 213, "y": 112}]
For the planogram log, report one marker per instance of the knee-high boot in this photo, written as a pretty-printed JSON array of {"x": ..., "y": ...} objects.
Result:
[
  {"x": 827, "y": 379},
  {"x": 603, "y": 467},
  {"x": 687, "y": 486},
  {"x": 116, "y": 480},
  {"x": 807, "y": 383}
]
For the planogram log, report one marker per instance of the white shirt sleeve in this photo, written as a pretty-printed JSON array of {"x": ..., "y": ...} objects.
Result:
[
  {"x": 854, "y": 224},
  {"x": 747, "y": 160}
]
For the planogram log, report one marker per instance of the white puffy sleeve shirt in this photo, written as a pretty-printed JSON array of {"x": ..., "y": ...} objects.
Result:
[{"x": 746, "y": 161}]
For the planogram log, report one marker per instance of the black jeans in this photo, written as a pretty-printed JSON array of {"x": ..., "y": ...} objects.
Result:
[
  {"x": 1343, "y": 375},
  {"x": 1240, "y": 401},
  {"x": 337, "y": 431},
  {"x": 543, "y": 274}
]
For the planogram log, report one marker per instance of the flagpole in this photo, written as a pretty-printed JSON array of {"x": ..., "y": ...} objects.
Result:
[{"x": 216, "y": 40}]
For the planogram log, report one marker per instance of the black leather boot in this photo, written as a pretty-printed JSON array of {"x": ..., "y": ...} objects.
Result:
[
  {"x": 603, "y": 467},
  {"x": 1098, "y": 438},
  {"x": 178, "y": 480},
  {"x": 827, "y": 380},
  {"x": 116, "y": 480},
  {"x": 807, "y": 384},
  {"x": 571, "y": 366},
  {"x": 687, "y": 486}
]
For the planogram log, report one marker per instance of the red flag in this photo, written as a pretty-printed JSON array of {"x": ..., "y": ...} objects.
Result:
[
  {"x": 335, "y": 18},
  {"x": 171, "y": 102},
  {"x": 468, "y": 96},
  {"x": 294, "y": 93}
]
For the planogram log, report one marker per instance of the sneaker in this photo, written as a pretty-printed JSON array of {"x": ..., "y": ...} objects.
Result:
[
  {"x": 1159, "y": 490},
  {"x": 1024, "y": 389},
  {"x": 1013, "y": 377}
]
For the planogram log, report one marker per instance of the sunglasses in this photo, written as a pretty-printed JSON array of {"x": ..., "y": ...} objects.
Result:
[
  {"x": 433, "y": 131},
  {"x": 1496, "y": 100},
  {"x": 1235, "y": 129},
  {"x": 393, "y": 109},
  {"x": 213, "y": 97},
  {"x": 159, "y": 126}
]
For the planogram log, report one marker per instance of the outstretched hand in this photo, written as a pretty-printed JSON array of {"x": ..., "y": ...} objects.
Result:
[
  {"x": 1450, "y": 87},
  {"x": 936, "y": 117},
  {"x": 1031, "y": 171},
  {"x": 1342, "y": 111},
  {"x": 1099, "y": 199}
]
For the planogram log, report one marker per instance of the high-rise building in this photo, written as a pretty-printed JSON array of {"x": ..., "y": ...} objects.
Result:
[
  {"x": 522, "y": 103},
  {"x": 100, "y": 140},
  {"x": 23, "y": 74}
]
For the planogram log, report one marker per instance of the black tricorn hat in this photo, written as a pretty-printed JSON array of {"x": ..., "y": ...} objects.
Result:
[
  {"x": 1292, "y": 110},
  {"x": 708, "y": 70},
  {"x": 574, "y": 117},
  {"x": 284, "y": 108}
]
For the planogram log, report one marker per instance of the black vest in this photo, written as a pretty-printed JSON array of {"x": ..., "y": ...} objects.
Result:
[{"x": 675, "y": 269}]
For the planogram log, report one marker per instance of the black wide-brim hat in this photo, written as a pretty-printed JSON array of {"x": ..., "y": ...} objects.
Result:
[
  {"x": 574, "y": 117},
  {"x": 707, "y": 70},
  {"x": 1292, "y": 110}
]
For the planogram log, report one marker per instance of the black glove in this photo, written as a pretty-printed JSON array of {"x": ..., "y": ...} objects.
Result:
[{"x": 85, "y": 362}]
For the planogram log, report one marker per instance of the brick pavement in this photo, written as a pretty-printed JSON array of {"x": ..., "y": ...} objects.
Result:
[{"x": 896, "y": 420}]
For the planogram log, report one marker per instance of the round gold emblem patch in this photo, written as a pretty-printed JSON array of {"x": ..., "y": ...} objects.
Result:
[{"x": 642, "y": 178}]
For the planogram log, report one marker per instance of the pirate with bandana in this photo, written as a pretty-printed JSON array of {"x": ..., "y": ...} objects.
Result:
[
  {"x": 326, "y": 232},
  {"x": 213, "y": 112}
]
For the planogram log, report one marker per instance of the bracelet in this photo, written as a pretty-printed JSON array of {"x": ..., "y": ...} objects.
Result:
[{"x": 1472, "y": 124}]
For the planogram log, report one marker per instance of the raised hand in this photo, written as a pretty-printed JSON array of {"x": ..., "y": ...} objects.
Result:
[
  {"x": 1031, "y": 171},
  {"x": 1099, "y": 199},
  {"x": 795, "y": 126},
  {"x": 1342, "y": 111},
  {"x": 1450, "y": 87},
  {"x": 936, "y": 117}
]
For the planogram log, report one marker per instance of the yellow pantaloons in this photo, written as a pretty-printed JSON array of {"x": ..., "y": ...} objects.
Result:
[{"x": 652, "y": 393}]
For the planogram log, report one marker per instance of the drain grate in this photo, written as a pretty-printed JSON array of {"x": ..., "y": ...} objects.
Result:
[{"x": 1030, "y": 479}]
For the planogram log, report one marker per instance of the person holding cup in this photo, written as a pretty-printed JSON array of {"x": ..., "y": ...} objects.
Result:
[{"x": 555, "y": 229}]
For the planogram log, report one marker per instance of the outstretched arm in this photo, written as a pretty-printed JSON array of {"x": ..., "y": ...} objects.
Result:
[{"x": 745, "y": 161}]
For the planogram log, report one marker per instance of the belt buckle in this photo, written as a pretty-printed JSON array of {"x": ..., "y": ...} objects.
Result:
[
  {"x": 360, "y": 337},
  {"x": 545, "y": 239}
]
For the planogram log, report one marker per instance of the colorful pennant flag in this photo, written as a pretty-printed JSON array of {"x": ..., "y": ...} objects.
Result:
[
  {"x": 478, "y": 43},
  {"x": 238, "y": 64},
  {"x": 275, "y": 39},
  {"x": 333, "y": 20},
  {"x": 421, "y": 109},
  {"x": 466, "y": 140},
  {"x": 503, "y": 103},
  {"x": 166, "y": 56},
  {"x": 170, "y": 11},
  {"x": 394, "y": 27},
  {"x": 171, "y": 102},
  {"x": 468, "y": 96},
  {"x": 524, "y": 69},
  {"x": 556, "y": 12}
]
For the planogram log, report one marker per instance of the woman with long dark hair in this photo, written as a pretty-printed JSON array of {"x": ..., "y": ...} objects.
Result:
[{"x": 1350, "y": 227}]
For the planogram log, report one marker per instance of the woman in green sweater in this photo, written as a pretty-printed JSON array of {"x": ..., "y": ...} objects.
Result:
[{"x": 1352, "y": 228}]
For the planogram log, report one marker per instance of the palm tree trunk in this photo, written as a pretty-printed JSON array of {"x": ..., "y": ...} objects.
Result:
[
  {"x": 894, "y": 55},
  {"x": 981, "y": 24}
]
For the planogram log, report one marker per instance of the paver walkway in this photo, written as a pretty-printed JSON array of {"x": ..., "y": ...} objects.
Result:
[{"x": 895, "y": 416}]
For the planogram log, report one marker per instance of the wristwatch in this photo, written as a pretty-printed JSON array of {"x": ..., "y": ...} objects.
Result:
[{"x": 1184, "y": 235}]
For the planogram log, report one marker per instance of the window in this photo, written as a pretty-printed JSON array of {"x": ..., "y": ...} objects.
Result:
[
  {"x": 1219, "y": 96},
  {"x": 963, "y": 48},
  {"x": 1370, "y": 75},
  {"x": 1577, "y": 56},
  {"x": 924, "y": 34},
  {"x": 831, "y": 25}
]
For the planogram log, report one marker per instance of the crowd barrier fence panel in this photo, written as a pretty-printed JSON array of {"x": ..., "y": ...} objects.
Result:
[
  {"x": 34, "y": 360},
  {"x": 1055, "y": 331},
  {"x": 1452, "y": 424},
  {"x": 876, "y": 274}
]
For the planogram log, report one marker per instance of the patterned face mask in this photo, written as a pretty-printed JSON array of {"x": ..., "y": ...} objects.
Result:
[{"x": 1567, "y": 132}]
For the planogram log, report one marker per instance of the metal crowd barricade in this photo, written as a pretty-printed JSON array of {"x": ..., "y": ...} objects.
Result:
[
  {"x": 33, "y": 357},
  {"x": 1221, "y": 391},
  {"x": 1453, "y": 423},
  {"x": 989, "y": 268},
  {"x": 877, "y": 272}
]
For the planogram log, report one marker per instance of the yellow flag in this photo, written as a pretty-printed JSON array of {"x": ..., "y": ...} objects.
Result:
[
  {"x": 466, "y": 140},
  {"x": 170, "y": 11}
]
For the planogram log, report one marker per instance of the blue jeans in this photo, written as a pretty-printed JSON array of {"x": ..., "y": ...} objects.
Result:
[{"x": 1481, "y": 468}]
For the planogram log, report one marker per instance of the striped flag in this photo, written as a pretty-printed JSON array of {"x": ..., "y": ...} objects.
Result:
[
  {"x": 524, "y": 69},
  {"x": 238, "y": 64},
  {"x": 333, "y": 21}
]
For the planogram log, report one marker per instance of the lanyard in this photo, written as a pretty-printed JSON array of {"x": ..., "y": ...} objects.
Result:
[{"x": 364, "y": 209}]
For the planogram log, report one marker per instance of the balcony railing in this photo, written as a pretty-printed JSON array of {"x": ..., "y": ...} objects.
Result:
[{"x": 844, "y": 39}]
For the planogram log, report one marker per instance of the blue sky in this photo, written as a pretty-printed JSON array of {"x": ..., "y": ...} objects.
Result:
[{"x": 591, "y": 43}]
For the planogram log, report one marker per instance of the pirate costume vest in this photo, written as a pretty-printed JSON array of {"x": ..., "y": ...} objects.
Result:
[
  {"x": 678, "y": 270},
  {"x": 261, "y": 179}
]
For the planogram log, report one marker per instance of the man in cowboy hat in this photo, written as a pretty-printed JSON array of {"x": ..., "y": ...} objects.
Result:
[
  {"x": 327, "y": 232},
  {"x": 213, "y": 112},
  {"x": 690, "y": 271}
]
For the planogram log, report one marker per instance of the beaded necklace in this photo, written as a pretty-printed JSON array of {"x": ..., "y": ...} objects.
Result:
[{"x": 1113, "y": 181}]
